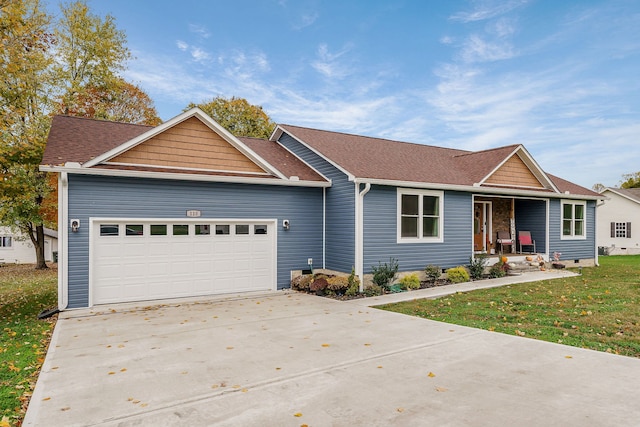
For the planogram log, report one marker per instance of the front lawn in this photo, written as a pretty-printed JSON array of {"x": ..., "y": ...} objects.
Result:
[
  {"x": 599, "y": 310},
  {"x": 24, "y": 292}
]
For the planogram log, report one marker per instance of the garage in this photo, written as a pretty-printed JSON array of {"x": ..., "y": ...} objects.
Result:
[{"x": 150, "y": 259}]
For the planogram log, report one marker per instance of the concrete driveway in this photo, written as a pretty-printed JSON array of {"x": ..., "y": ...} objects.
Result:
[{"x": 289, "y": 359}]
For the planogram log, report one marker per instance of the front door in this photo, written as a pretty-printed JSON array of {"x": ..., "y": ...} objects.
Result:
[{"x": 481, "y": 214}]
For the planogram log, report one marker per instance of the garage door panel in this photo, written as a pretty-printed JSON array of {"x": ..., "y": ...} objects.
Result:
[{"x": 142, "y": 267}]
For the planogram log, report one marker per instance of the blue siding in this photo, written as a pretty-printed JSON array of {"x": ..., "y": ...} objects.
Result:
[
  {"x": 531, "y": 215},
  {"x": 340, "y": 208},
  {"x": 380, "y": 233},
  {"x": 572, "y": 249},
  {"x": 150, "y": 198}
]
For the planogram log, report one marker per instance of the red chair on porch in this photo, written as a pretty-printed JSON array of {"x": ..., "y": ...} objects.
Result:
[
  {"x": 524, "y": 239},
  {"x": 504, "y": 239}
]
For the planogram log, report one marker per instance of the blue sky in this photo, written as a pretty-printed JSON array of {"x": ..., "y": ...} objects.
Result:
[{"x": 560, "y": 77}]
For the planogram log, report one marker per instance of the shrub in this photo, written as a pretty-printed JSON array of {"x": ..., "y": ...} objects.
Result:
[
  {"x": 354, "y": 284},
  {"x": 458, "y": 274},
  {"x": 385, "y": 274},
  {"x": 496, "y": 271},
  {"x": 411, "y": 281},
  {"x": 319, "y": 285},
  {"x": 301, "y": 283},
  {"x": 499, "y": 270},
  {"x": 476, "y": 265},
  {"x": 433, "y": 273},
  {"x": 338, "y": 284},
  {"x": 372, "y": 291}
]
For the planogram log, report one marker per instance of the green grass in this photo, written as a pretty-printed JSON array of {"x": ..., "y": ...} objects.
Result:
[
  {"x": 599, "y": 310},
  {"x": 24, "y": 292}
]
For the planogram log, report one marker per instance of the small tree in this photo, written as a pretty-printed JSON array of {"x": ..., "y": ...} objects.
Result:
[{"x": 238, "y": 116}]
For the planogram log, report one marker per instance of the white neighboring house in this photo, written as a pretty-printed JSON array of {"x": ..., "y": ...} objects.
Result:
[
  {"x": 17, "y": 248},
  {"x": 617, "y": 216}
]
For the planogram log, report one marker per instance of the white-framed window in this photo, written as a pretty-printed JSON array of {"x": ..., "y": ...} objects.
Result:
[
  {"x": 574, "y": 220},
  {"x": 420, "y": 216},
  {"x": 6, "y": 241}
]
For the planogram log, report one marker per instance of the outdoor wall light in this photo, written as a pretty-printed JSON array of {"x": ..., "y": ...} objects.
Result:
[
  {"x": 75, "y": 225},
  {"x": 285, "y": 224}
]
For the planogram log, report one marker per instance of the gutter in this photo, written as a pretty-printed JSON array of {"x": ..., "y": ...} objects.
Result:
[
  {"x": 79, "y": 170},
  {"x": 477, "y": 189},
  {"x": 359, "y": 255},
  {"x": 63, "y": 235}
]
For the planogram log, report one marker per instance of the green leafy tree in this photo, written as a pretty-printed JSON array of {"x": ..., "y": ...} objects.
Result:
[
  {"x": 91, "y": 52},
  {"x": 238, "y": 116},
  {"x": 24, "y": 97},
  {"x": 631, "y": 180}
]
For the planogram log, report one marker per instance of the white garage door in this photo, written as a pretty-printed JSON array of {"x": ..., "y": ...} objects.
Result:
[{"x": 136, "y": 260}]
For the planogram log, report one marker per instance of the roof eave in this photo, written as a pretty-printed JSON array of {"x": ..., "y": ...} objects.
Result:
[
  {"x": 476, "y": 189},
  {"x": 76, "y": 169}
]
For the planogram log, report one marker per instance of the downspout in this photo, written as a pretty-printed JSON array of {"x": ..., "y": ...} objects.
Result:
[
  {"x": 359, "y": 267},
  {"x": 63, "y": 244},
  {"x": 324, "y": 227}
]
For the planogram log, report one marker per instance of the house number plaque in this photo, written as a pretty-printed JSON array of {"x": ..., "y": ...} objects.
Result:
[{"x": 194, "y": 214}]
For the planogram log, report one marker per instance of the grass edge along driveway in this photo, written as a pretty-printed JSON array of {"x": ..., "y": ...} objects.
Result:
[
  {"x": 24, "y": 292},
  {"x": 599, "y": 310}
]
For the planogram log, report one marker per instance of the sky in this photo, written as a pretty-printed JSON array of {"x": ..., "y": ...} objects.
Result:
[{"x": 560, "y": 77}]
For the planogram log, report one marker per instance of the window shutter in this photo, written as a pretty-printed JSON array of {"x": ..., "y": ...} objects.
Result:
[
  {"x": 628, "y": 230},
  {"x": 613, "y": 229}
]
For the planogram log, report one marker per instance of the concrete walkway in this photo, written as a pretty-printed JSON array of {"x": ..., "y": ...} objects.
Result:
[
  {"x": 290, "y": 359},
  {"x": 440, "y": 291}
]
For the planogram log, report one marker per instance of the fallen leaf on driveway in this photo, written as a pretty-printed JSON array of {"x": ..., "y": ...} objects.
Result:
[
  {"x": 568, "y": 357},
  {"x": 297, "y": 414},
  {"x": 441, "y": 389},
  {"x": 325, "y": 345},
  {"x": 431, "y": 374}
]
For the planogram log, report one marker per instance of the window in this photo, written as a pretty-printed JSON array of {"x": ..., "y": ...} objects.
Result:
[
  {"x": 242, "y": 228},
  {"x": 621, "y": 229},
  {"x": 573, "y": 220},
  {"x": 420, "y": 216},
  {"x": 134, "y": 230},
  {"x": 260, "y": 229},
  {"x": 180, "y": 230},
  {"x": 203, "y": 229},
  {"x": 6, "y": 241},
  {"x": 109, "y": 229},
  {"x": 222, "y": 229},
  {"x": 158, "y": 229}
]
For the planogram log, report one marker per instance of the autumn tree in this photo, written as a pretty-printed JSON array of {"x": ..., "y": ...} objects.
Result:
[
  {"x": 24, "y": 96},
  {"x": 120, "y": 101},
  {"x": 631, "y": 180},
  {"x": 69, "y": 67},
  {"x": 238, "y": 116}
]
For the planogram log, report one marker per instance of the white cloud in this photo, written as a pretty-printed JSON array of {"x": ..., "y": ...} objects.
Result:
[
  {"x": 183, "y": 46},
  {"x": 306, "y": 20},
  {"x": 199, "y": 30},
  {"x": 199, "y": 54},
  {"x": 475, "y": 49},
  {"x": 328, "y": 65},
  {"x": 487, "y": 9}
]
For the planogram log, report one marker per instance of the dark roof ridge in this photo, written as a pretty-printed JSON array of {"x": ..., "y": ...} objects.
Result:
[
  {"x": 470, "y": 153},
  {"x": 377, "y": 138}
]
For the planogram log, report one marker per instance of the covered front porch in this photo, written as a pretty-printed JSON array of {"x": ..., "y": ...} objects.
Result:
[{"x": 501, "y": 226}]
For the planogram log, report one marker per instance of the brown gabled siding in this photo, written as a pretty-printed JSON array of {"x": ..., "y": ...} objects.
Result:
[
  {"x": 514, "y": 172},
  {"x": 190, "y": 144}
]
